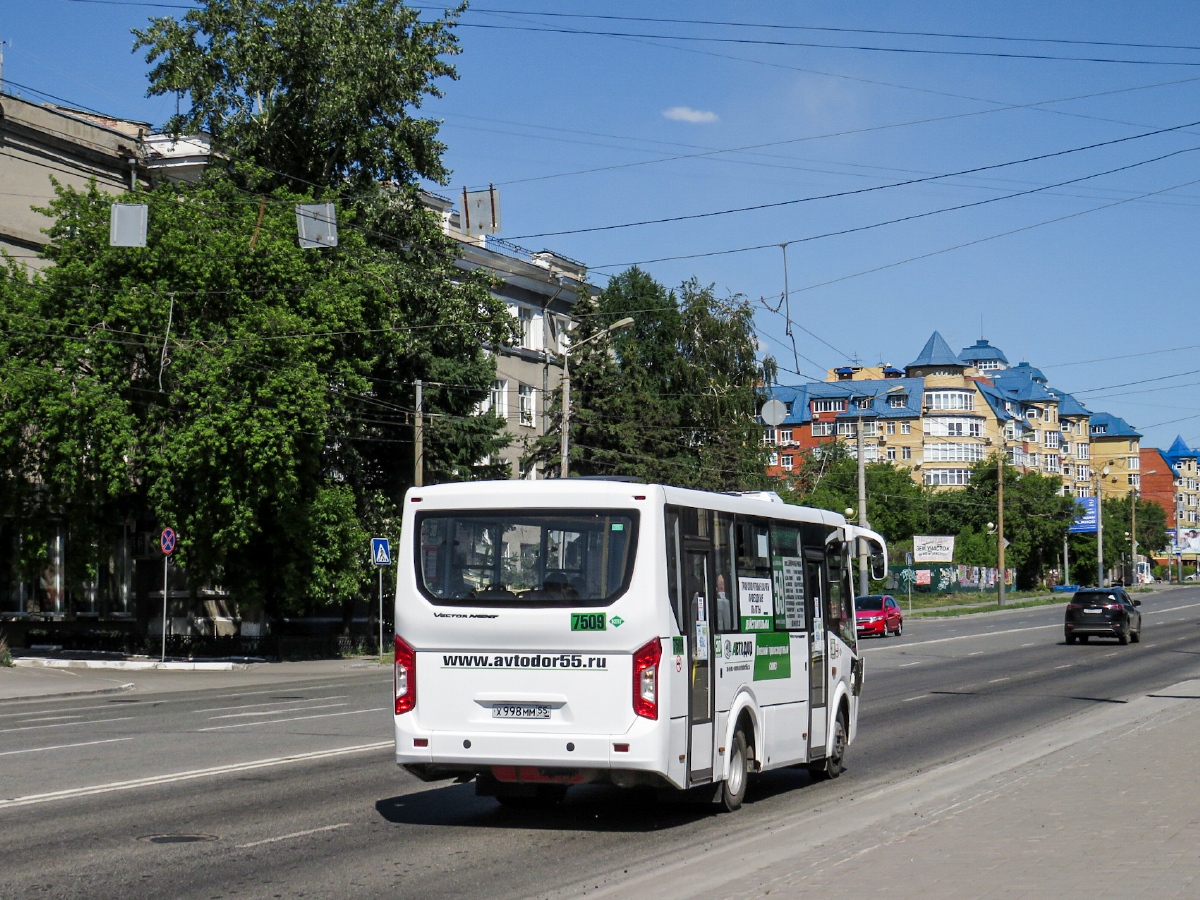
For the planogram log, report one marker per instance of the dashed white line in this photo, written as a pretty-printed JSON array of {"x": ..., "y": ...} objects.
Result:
[
  {"x": 62, "y": 724},
  {"x": 1067, "y": 666},
  {"x": 270, "y": 703},
  {"x": 64, "y": 746},
  {"x": 32, "y": 799},
  {"x": 275, "y": 712},
  {"x": 918, "y": 697},
  {"x": 294, "y": 834},
  {"x": 907, "y": 665},
  {"x": 997, "y": 680},
  {"x": 352, "y": 712}
]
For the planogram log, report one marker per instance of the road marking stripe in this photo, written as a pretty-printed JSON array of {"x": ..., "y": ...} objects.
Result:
[
  {"x": 906, "y": 665},
  {"x": 294, "y": 834},
  {"x": 64, "y": 746},
  {"x": 63, "y": 724},
  {"x": 997, "y": 680},
  {"x": 918, "y": 697},
  {"x": 271, "y": 703},
  {"x": 353, "y": 712},
  {"x": 189, "y": 775},
  {"x": 274, "y": 712}
]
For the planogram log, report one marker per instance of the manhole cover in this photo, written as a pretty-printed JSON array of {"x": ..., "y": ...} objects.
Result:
[{"x": 177, "y": 838}]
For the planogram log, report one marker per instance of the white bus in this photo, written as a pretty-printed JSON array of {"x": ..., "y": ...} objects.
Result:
[{"x": 554, "y": 633}]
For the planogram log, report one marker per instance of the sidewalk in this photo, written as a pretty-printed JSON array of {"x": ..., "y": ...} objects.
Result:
[
  {"x": 1103, "y": 805},
  {"x": 40, "y": 677}
]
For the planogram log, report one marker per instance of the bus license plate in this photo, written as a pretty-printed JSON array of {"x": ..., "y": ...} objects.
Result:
[{"x": 520, "y": 711}]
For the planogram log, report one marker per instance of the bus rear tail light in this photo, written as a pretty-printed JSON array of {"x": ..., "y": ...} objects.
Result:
[
  {"x": 645, "y": 679},
  {"x": 405, "y": 676}
]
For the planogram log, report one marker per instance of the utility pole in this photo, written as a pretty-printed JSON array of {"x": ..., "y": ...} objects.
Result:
[
  {"x": 1000, "y": 541},
  {"x": 564, "y": 442},
  {"x": 1100, "y": 527},
  {"x": 864, "y": 586},
  {"x": 419, "y": 440}
]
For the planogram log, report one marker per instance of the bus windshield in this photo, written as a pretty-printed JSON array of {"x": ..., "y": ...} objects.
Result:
[{"x": 526, "y": 557}]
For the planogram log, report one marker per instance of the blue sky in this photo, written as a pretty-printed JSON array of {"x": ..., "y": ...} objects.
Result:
[{"x": 586, "y": 122}]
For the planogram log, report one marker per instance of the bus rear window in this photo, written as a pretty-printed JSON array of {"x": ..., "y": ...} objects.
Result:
[{"x": 525, "y": 557}]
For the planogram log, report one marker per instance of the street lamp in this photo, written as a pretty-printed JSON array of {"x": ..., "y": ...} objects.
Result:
[
  {"x": 1100, "y": 526},
  {"x": 566, "y": 384}
]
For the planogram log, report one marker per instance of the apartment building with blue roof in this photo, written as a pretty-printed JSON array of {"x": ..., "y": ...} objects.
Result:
[{"x": 946, "y": 411}]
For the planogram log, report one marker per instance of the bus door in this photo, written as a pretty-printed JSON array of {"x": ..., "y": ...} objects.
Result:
[
  {"x": 700, "y": 597},
  {"x": 816, "y": 606}
]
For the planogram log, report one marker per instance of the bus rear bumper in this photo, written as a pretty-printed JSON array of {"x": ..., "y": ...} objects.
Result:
[{"x": 558, "y": 758}]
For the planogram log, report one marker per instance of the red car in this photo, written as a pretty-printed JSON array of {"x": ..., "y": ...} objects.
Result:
[{"x": 878, "y": 614}]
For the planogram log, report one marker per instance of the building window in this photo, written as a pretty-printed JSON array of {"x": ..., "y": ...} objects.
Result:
[
  {"x": 906, "y": 452},
  {"x": 1133, "y": 463},
  {"x": 829, "y": 406},
  {"x": 1083, "y": 451},
  {"x": 526, "y": 402},
  {"x": 898, "y": 401},
  {"x": 1134, "y": 479},
  {"x": 774, "y": 458},
  {"x": 947, "y": 426},
  {"x": 1083, "y": 490},
  {"x": 1083, "y": 473},
  {"x": 769, "y": 437},
  {"x": 1052, "y": 463},
  {"x": 890, "y": 427},
  {"x": 1051, "y": 439},
  {"x": 824, "y": 429},
  {"x": 891, "y": 454},
  {"x": 850, "y": 428},
  {"x": 906, "y": 428},
  {"x": 957, "y": 477},
  {"x": 785, "y": 436},
  {"x": 788, "y": 460},
  {"x": 954, "y": 453},
  {"x": 498, "y": 401},
  {"x": 964, "y": 400}
]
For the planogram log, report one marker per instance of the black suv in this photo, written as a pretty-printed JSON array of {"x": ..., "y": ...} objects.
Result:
[{"x": 1106, "y": 612}]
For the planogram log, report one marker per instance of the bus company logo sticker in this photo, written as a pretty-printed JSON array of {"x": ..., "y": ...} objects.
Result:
[
  {"x": 617, "y": 621},
  {"x": 736, "y": 650}
]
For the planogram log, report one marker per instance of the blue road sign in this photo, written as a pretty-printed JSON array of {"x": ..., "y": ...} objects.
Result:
[
  {"x": 167, "y": 541},
  {"x": 381, "y": 551}
]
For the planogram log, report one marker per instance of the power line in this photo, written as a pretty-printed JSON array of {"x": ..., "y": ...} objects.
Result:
[{"x": 864, "y": 190}]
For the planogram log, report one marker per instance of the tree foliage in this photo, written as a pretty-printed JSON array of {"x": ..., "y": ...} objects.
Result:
[
  {"x": 671, "y": 399},
  {"x": 312, "y": 91}
]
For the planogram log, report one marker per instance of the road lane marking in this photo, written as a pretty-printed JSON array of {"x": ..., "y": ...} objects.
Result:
[
  {"x": 1067, "y": 666},
  {"x": 269, "y": 712},
  {"x": 62, "y": 724},
  {"x": 353, "y": 712},
  {"x": 294, "y": 834},
  {"x": 918, "y": 697},
  {"x": 997, "y": 680},
  {"x": 189, "y": 775},
  {"x": 1030, "y": 644},
  {"x": 52, "y": 718},
  {"x": 975, "y": 653},
  {"x": 906, "y": 665},
  {"x": 271, "y": 703},
  {"x": 63, "y": 746}
]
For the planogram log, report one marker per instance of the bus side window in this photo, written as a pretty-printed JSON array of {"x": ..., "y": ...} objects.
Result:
[
  {"x": 673, "y": 561},
  {"x": 755, "y": 611},
  {"x": 726, "y": 611}
]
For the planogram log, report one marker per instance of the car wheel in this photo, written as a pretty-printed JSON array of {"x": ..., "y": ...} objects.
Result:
[
  {"x": 831, "y": 766},
  {"x": 899, "y": 628},
  {"x": 1136, "y": 636},
  {"x": 1123, "y": 637},
  {"x": 883, "y": 630},
  {"x": 733, "y": 790},
  {"x": 1070, "y": 638}
]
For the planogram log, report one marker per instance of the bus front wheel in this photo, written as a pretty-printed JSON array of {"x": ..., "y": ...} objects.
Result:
[{"x": 733, "y": 790}]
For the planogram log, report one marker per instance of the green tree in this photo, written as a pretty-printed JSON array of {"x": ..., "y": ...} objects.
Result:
[
  {"x": 313, "y": 92},
  {"x": 829, "y": 480},
  {"x": 250, "y": 393},
  {"x": 671, "y": 399}
]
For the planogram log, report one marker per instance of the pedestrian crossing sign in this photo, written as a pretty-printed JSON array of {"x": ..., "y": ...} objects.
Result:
[{"x": 381, "y": 551}]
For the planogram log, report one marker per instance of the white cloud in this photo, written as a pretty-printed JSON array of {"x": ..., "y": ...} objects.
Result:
[{"x": 687, "y": 114}]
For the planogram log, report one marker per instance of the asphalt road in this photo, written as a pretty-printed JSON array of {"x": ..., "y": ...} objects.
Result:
[{"x": 201, "y": 794}]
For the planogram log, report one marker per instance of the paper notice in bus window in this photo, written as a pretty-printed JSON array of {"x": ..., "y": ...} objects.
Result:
[
  {"x": 793, "y": 592},
  {"x": 756, "y": 604}
]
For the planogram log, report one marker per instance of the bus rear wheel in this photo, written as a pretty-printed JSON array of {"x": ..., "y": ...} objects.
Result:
[
  {"x": 831, "y": 766},
  {"x": 733, "y": 789}
]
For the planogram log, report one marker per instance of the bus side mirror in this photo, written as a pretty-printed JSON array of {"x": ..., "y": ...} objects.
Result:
[{"x": 879, "y": 563}]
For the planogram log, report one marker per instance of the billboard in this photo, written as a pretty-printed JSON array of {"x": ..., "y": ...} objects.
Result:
[
  {"x": 1085, "y": 516},
  {"x": 1187, "y": 540},
  {"x": 933, "y": 548}
]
